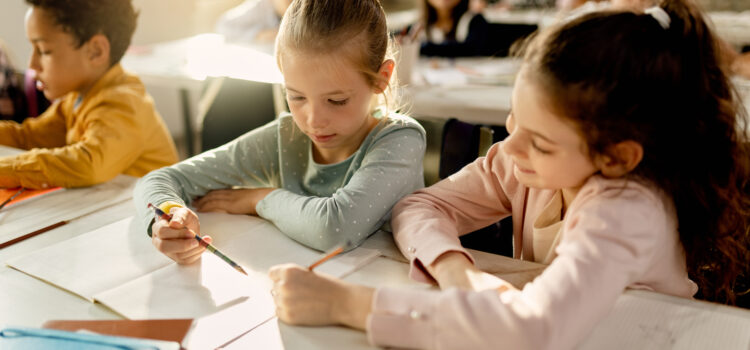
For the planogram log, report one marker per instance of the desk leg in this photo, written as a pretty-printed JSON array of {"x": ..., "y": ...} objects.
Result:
[{"x": 188, "y": 121}]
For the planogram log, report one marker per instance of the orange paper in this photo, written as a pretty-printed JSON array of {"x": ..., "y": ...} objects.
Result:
[{"x": 6, "y": 193}]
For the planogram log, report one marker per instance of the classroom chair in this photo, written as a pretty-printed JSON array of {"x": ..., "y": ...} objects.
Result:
[
  {"x": 452, "y": 144},
  {"x": 502, "y": 36},
  {"x": 230, "y": 107}
]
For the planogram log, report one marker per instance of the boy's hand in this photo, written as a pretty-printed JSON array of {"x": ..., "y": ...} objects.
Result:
[
  {"x": 303, "y": 297},
  {"x": 175, "y": 240},
  {"x": 232, "y": 201}
]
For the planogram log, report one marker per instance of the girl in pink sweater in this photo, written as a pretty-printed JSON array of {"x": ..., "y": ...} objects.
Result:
[{"x": 626, "y": 167}]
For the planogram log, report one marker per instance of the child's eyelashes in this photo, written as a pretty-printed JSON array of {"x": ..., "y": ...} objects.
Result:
[
  {"x": 539, "y": 149},
  {"x": 338, "y": 102},
  {"x": 42, "y": 52},
  {"x": 331, "y": 101}
]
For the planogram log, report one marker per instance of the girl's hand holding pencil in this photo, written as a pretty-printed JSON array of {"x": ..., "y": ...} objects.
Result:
[
  {"x": 304, "y": 297},
  {"x": 175, "y": 236},
  {"x": 178, "y": 241},
  {"x": 319, "y": 299}
]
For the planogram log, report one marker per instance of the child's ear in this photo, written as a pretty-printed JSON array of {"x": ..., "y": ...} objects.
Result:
[
  {"x": 620, "y": 159},
  {"x": 384, "y": 74},
  {"x": 97, "y": 49}
]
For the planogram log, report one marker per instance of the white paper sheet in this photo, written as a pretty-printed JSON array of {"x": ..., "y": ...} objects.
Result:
[
  {"x": 257, "y": 244},
  {"x": 117, "y": 266},
  {"x": 95, "y": 261},
  {"x": 28, "y": 216},
  {"x": 644, "y": 320}
]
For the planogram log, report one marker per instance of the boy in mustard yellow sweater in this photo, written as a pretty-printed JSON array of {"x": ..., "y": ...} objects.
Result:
[{"x": 102, "y": 122}]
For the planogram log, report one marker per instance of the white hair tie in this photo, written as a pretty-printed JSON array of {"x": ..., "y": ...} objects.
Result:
[{"x": 659, "y": 15}]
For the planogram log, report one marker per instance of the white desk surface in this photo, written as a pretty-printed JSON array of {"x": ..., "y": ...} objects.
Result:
[{"x": 26, "y": 301}]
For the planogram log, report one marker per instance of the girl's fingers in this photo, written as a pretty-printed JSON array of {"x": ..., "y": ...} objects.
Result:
[
  {"x": 278, "y": 272},
  {"x": 171, "y": 233},
  {"x": 174, "y": 246},
  {"x": 184, "y": 218}
]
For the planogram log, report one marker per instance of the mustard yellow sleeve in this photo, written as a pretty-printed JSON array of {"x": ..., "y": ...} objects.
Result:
[
  {"x": 45, "y": 131},
  {"x": 110, "y": 141}
]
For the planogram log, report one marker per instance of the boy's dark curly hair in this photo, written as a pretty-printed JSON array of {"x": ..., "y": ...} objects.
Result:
[{"x": 116, "y": 19}]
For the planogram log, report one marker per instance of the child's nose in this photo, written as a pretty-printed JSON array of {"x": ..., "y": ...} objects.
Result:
[
  {"x": 34, "y": 63},
  {"x": 316, "y": 118},
  {"x": 511, "y": 145}
]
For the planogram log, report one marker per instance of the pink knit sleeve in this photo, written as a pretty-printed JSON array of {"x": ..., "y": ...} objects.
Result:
[
  {"x": 428, "y": 223},
  {"x": 612, "y": 238}
]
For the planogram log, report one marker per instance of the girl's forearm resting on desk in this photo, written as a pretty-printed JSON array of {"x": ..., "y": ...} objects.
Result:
[{"x": 454, "y": 269}]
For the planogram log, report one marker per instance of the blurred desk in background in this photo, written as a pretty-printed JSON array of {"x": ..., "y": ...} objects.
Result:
[
  {"x": 476, "y": 90},
  {"x": 174, "y": 73},
  {"x": 472, "y": 89},
  {"x": 734, "y": 27}
]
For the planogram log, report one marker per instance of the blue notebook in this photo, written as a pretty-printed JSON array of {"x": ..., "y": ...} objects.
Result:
[{"x": 43, "y": 339}]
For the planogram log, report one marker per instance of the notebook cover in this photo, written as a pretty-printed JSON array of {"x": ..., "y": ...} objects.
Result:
[
  {"x": 163, "y": 329},
  {"x": 39, "y": 338}
]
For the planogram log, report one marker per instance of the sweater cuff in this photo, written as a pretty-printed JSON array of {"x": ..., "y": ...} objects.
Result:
[
  {"x": 264, "y": 207},
  {"x": 403, "y": 318}
]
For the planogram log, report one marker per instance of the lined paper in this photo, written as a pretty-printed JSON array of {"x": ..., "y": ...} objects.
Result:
[{"x": 646, "y": 320}]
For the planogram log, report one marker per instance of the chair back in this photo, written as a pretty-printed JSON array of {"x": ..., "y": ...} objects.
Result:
[
  {"x": 502, "y": 36},
  {"x": 231, "y": 107},
  {"x": 451, "y": 144}
]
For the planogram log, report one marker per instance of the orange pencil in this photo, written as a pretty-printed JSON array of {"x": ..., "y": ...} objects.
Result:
[{"x": 331, "y": 254}]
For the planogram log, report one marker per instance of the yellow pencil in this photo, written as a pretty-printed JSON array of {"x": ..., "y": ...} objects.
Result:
[{"x": 205, "y": 244}]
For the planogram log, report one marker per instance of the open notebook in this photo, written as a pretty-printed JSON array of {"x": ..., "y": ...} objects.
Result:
[
  {"x": 116, "y": 265},
  {"x": 39, "y": 209},
  {"x": 63, "y": 205}
]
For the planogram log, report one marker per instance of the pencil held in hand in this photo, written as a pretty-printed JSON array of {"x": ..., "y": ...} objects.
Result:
[
  {"x": 335, "y": 251},
  {"x": 203, "y": 243}
]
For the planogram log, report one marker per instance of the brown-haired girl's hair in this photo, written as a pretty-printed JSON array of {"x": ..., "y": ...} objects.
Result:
[
  {"x": 622, "y": 76},
  {"x": 356, "y": 29}
]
